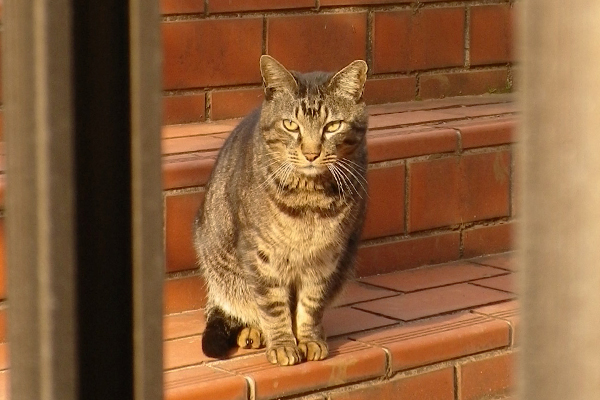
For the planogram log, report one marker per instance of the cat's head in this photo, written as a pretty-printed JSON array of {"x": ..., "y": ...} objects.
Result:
[{"x": 311, "y": 121}]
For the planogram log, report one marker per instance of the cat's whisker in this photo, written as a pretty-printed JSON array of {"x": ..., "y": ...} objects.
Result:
[
  {"x": 347, "y": 181},
  {"x": 331, "y": 169},
  {"x": 356, "y": 174}
]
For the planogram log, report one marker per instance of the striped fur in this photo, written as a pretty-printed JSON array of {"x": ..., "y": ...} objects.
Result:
[{"x": 277, "y": 235}]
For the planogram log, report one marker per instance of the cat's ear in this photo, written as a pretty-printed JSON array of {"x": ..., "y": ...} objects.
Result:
[
  {"x": 350, "y": 81},
  {"x": 276, "y": 77}
]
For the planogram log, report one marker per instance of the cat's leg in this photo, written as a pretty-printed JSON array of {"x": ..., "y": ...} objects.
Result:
[
  {"x": 276, "y": 324},
  {"x": 308, "y": 328}
]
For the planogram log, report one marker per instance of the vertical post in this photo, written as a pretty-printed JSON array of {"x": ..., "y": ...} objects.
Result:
[
  {"x": 148, "y": 259},
  {"x": 560, "y": 235},
  {"x": 84, "y": 217},
  {"x": 40, "y": 198}
]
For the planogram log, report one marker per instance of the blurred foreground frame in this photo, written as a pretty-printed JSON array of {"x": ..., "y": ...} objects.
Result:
[{"x": 84, "y": 211}]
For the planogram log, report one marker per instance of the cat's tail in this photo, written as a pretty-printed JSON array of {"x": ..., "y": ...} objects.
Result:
[{"x": 220, "y": 334}]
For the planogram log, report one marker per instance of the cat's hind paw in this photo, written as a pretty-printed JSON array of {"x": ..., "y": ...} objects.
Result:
[
  {"x": 314, "y": 350},
  {"x": 284, "y": 354},
  {"x": 250, "y": 338}
]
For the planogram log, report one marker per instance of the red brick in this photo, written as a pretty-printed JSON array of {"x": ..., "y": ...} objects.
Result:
[
  {"x": 508, "y": 312},
  {"x": 410, "y": 118},
  {"x": 2, "y": 126},
  {"x": 194, "y": 56},
  {"x": 407, "y": 253},
  {"x": 317, "y": 42},
  {"x": 202, "y": 382},
  {"x": 184, "y": 294},
  {"x": 439, "y": 85},
  {"x": 432, "y": 276},
  {"x": 3, "y": 329},
  {"x": 181, "y": 6},
  {"x": 434, "y": 385},
  {"x": 417, "y": 344},
  {"x": 487, "y": 378},
  {"x": 429, "y": 38},
  {"x": 458, "y": 189},
  {"x": 348, "y": 362},
  {"x": 385, "y": 213},
  {"x": 187, "y": 172},
  {"x": 180, "y": 212},
  {"x": 390, "y": 90},
  {"x": 486, "y": 110},
  {"x": 478, "y": 133},
  {"x": 488, "y": 239},
  {"x": 491, "y": 34},
  {"x": 189, "y": 144},
  {"x": 200, "y": 129},
  {"x": 235, "y": 103},
  {"x": 428, "y": 303},
  {"x": 225, "y": 6},
  {"x": 183, "y": 109},
  {"x": 396, "y": 143}
]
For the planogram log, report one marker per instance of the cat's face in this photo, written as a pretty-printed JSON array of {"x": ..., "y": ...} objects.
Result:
[{"x": 313, "y": 123}]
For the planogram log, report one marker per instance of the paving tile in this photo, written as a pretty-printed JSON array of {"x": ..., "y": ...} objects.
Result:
[
  {"x": 439, "y": 339},
  {"x": 428, "y": 303},
  {"x": 183, "y": 352},
  {"x": 191, "y": 144},
  {"x": 432, "y": 276},
  {"x": 440, "y": 104},
  {"x": 408, "y": 253},
  {"x": 3, "y": 272},
  {"x": 411, "y": 118},
  {"x": 397, "y": 143},
  {"x": 206, "y": 128},
  {"x": 202, "y": 382},
  {"x": 488, "y": 378},
  {"x": 293, "y": 40},
  {"x": 390, "y": 90},
  {"x": 180, "y": 211},
  {"x": 196, "y": 62},
  {"x": 355, "y": 292},
  {"x": 385, "y": 211},
  {"x": 433, "y": 385},
  {"x": 484, "y": 110},
  {"x": 348, "y": 362},
  {"x": 345, "y": 320},
  {"x": 183, "y": 109},
  {"x": 506, "y": 261},
  {"x": 184, "y": 294},
  {"x": 190, "y": 171},
  {"x": 508, "y": 312},
  {"x": 426, "y": 39},
  {"x": 183, "y": 324},
  {"x": 4, "y": 385},
  {"x": 488, "y": 239},
  {"x": 505, "y": 283}
]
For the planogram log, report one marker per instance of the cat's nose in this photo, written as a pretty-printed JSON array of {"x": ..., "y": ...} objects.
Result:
[{"x": 311, "y": 156}]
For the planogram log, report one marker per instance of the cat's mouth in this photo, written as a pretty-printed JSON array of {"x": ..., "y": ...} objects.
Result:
[{"x": 311, "y": 170}]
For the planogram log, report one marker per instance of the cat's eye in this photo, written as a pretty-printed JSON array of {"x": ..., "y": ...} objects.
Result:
[
  {"x": 333, "y": 127},
  {"x": 290, "y": 125}
]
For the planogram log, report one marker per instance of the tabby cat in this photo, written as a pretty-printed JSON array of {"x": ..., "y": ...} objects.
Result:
[{"x": 278, "y": 232}]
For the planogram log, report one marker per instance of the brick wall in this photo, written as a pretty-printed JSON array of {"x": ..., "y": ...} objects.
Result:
[{"x": 415, "y": 50}]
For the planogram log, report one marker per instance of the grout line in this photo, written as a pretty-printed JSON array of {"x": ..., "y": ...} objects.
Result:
[
  {"x": 208, "y": 105},
  {"x": 457, "y": 381},
  {"x": 369, "y": 49},
  {"x": 407, "y": 181},
  {"x": 264, "y": 35},
  {"x": 467, "y": 36}
]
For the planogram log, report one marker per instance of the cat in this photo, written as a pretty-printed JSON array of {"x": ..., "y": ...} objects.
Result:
[{"x": 278, "y": 232}]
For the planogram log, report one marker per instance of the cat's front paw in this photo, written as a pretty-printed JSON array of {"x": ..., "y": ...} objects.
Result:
[
  {"x": 314, "y": 350},
  {"x": 285, "y": 354}
]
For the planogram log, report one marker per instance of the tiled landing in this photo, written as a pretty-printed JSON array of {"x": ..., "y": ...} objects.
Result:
[{"x": 447, "y": 331}]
